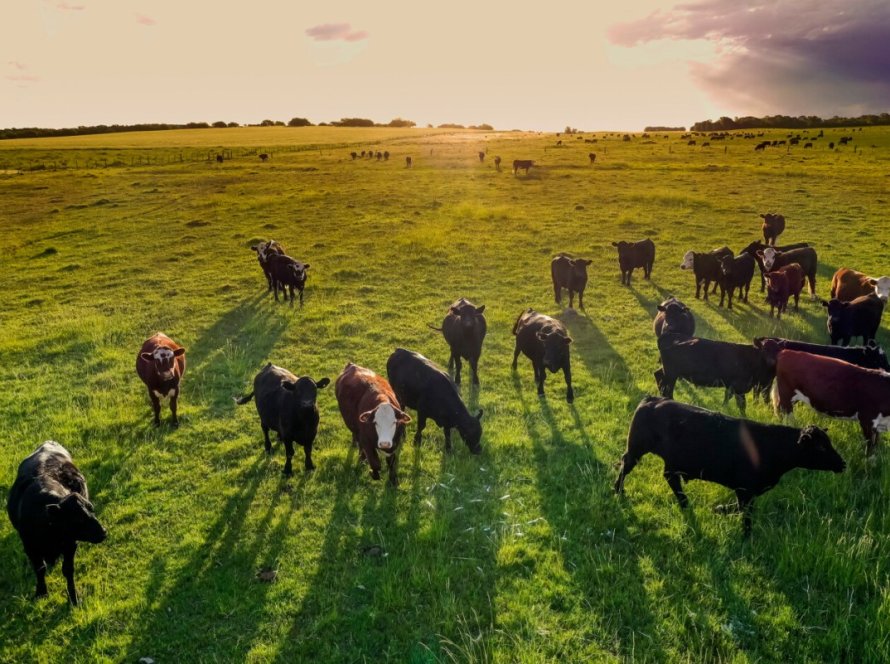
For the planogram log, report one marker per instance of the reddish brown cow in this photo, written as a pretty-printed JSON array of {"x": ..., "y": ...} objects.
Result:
[
  {"x": 372, "y": 413},
  {"x": 847, "y": 285},
  {"x": 835, "y": 388},
  {"x": 781, "y": 285},
  {"x": 773, "y": 225},
  {"x": 160, "y": 364}
]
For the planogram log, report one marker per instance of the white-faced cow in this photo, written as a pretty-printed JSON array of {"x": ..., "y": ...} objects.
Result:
[
  {"x": 706, "y": 267},
  {"x": 160, "y": 364}
]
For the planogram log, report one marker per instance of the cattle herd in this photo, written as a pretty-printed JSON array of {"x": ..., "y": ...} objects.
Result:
[{"x": 49, "y": 502}]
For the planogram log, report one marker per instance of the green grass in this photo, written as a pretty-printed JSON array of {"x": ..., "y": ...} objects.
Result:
[{"x": 520, "y": 555}]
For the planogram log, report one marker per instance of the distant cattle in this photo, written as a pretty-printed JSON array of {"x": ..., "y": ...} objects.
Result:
[
  {"x": 571, "y": 274},
  {"x": 692, "y": 142},
  {"x": 464, "y": 329},
  {"x": 674, "y": 316},
  {"x": 264, "y": 156},
  {"x": 706, "y": 267},
  {"x": 831, "y": 146},
  {"x": 379, "y": 156},
  {"x": 497, "y": 163},
  {"x": 735, "y": 273},
  {"x": 771, "y": 260},
  {"x": 760, "y": 146},
  {"x": 407, "y": 162},
  {"x": 160, "y": 364},
  {"x": 286, "y": 405},
  {"x": 632, "y": 255},
  {"x": 706, "y": 144},
  {"x": 49, "y": 505},
  {"x": 697, "y": 444},
  {"x": 592, "y": 157},
  {"x": 545, "y": 341},
  {"x": 386, "y": 155},
  {"x": 847, "y": 284},
  {"x": 807, "y": 145},
  {"x": 481, "y": 156},
  {"x": 219, "y": 159},
  {"x": 354, "y": 155},
  {"x": 371, "y": 411},
  {"x": 773, "y": 226},
  {"x": 870, "y": 356},
  {"x": 860, "y": 317},
  {"x": 288, "y": 274},
  {"x": 363, "y": 153},
  {"x": 265, "y": 249},
  {"x": 794, "y": 141},
  {"x": 524, "y": 164}
]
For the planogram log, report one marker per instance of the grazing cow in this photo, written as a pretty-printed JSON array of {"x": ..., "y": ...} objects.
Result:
[
  {"x": 386, "y": 155},
  {"x": 49, "y": 505},
  {"x": 870, "y": 356},
  {"x": 545, "y": 341},
  {"x": 571, "y": 274},
  {"x": 407, "y": 162},
  {"x": 781, "y": 284},
  {"x": 592, "y": 157},
  {"x": 286, "y": 405},
  {"x": 160, "y": 364},
  {"x": 735, "y": 273},
  {"x": 523, "y": 164},
  {"x": 771, "y": 260},
  {"x": 760, "y": 147},
  {"x": 481, "y": 156},
  {"x": 219, "y": 159},
  {"x": 692, "y": 142},
  {"x": 497, "y": 164},
  {"x": 674, "y": 316},
  {"x": 697, "y": 444},
  {"x": 831, "y": 146},
  {"x": 773, "y": 226},
  {"x": 807, "y": 145},
  {"x": 706, "y": 144},
  {"x": 756, "y": 246},
  {"x": 632, "y": 255},
  {"x": 858, "y": 318},
  {"x": 847, "y": 284},
  {"x": 464, "y": 330},
  {"x": 371, "y": 412},
  {"x": 421, "y": 385},
  {"x": 263, "y": 251},
  {"x": 363, "y": 154},
  {"x": 287, "y": 274},
  {"x": 354, "y": 155},
  {"x": 705, "y": 267},
  {"x": 738, "y": 368},
  {"x": 834, "y": 388},
  {"x": 264, "y": 156}
]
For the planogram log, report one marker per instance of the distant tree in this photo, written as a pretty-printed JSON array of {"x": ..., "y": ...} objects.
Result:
[
  {"x": 483, "y": 127},
  {"x": 353, "y": 122},
  {"x": 399, "y": 122},
  {"x": 219, "y": 124},
  {"x": 299, "y": 122},
  {"x": 233, "y": 124},
  {"x": 267, "y": 123},
  {"x": 451, "y": 125},
  {"x": 194, "y": 125},
  {"x": 279, "y": 123},
  {"x": 658, "y": 128}
]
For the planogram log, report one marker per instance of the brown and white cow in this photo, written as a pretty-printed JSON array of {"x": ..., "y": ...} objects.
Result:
[
  {"x": 160, "y": 364},
  {"x": 372, "y": 413},
  {"x": 835, "y": 388},
  {"x": 847, "y": 285}
]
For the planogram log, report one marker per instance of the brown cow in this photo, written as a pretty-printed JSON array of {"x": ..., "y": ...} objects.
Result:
[
  {"x": 160, "y": 364},
  {"x": 372, "y": 413},
  {"x": 497, "y": 163},
  {"x": 781, "y": 285},
  {"x": 847, "y": 285},
  {"x": 773, "y": 226}
]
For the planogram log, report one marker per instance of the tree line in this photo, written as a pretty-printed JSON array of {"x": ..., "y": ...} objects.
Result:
[{"x": 789, "y": 122}]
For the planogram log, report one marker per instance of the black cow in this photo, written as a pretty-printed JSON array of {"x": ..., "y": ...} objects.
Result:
[
  {"x": 464, "y": 330},
  {"x": 698, "y": 444},
  {"x": 758, "y": 246},
  {"x": 859, "y": 318},
  {"x": 870, "y": 356},
  {"x": 705, "y": 267},
  {"x": 571, "y": 274},
  {"x": 735, "y": 273},
  {"x": 286, "y": 405},
  {"x": 287, "y": 274},
  {"x": 49, "y": 505},
  {"x": 264, "y": 156},
  {"x": 545, "y": 341},
  {"x": 632, "y": 255},
  {"x": 386, "y": 155},
  {"x": 523, "y": 164},
  {"x": 263, "y": 251},
  {"x": 407, "y": 162},
  {"x": 674, "y": 316},
  {"x": 421, "y": 385}
]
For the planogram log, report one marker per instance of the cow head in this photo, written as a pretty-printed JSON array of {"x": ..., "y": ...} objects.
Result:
[
  {"x": 676, "y": 316},
  {"x": 468, "y": 313},
  {"x": 74, "y": 517},
  {"x": 768, "y": 257},
  {"x": 471, "y": 432},
  {"x": 688, "y": 260},
  {"x": 305, "y": 390},
  {"x": 299, "y": 270},
  {"x": 816, "y": 452},
  {"x": 882, "y": 288},
  {"x": 386, "y": 422},
  {"x": 624, "y": 251},
  {"x": 579, "y": 268},
  {"x": 836, "y": 314},
  {"x": 556, "y": 348},
  {"x": 163, "y": 358}
]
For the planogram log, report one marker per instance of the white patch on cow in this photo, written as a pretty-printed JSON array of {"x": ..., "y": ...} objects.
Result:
[
  {"x": 385, "y": 423},
  {"x": 769, "y": 257},
  {"x": 882, "y": 288},
  {"x": 881, "y": 423},
  {"x": 687, "y": 260},
  {"x": 162, "y": 353},
  {"x": 800, "y": 397},
  {"x": 161, "y": 395}
]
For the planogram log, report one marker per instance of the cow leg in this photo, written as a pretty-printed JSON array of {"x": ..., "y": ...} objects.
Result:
[
  {"x": 515, "y": 355},
  {"x": 373, "y": 461},
  {"x": 729, "y": 304},
  {"x": 39, "y": 567},
  {"x": 722, "y": 296},
  {"x": 628, "y": 462},
  {"x": 557, "y": 293},
  {"x": 155, "y": 407},
  {"x": 871, "y": 435},
  {"x": 289, "y": 455},
  {"x": 421, "y": 425},
  {"x": 740, "y": 402},
  {"x": 275, "y": 288},
  {"x": 746, "y": 507},
  {"x": 307, "y": 451},
  {"x": 674, "y": 481},
  {"x": 301, "y": 297},
  {"x": 697, "y": 288},
  {"x": 797, "y": 301},
  {"x": 173, "y": 400},
  {"x": 392, "y": 464},
  {"x": 458, "y": 365},
  {"x": 727, "y": 392},
  {"x": 447, "y": 439},
  {"x": 291, "y": 289},
  {"x": 266, "y": 443},
  {"x": 812, "y": 280},
  {"x": 451, "y": 362},
  {"x": 474, "y": 365},
  {"x": 707, "y": 287},
  {"x": 540, "y": 376},
  {"x": 747, "y": 290},
  {"x": 567, "y": 373},
  {"x": 629, "y": 274},
  {"x": 571, "y": 299},
  {"x": 581, "y": 299},
  {"x": 715, "y": 287},
  {"x": 68, "y": 571}
]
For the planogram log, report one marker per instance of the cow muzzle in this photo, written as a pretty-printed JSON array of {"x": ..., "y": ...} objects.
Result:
[{"x": 384, "y": 444}]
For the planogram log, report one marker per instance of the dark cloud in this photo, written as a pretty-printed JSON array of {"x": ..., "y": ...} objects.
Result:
[
  {"x": 336, "y": 31},
  {"x": 788, "y": 56}
]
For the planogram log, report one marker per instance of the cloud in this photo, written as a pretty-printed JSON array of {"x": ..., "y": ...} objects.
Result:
[
  {"x": 15, "y": 64},
  {"x": 142, "y": 19},
  {"x": 335, "y": 32},
  {"x": 785, "y": 56},
  {"x": 66, "y": 7},
  {"x": 22, "y": 78}
]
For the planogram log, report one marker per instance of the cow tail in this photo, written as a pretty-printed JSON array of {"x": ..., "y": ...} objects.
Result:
[
  {"x": 774, "y": 395},
  {"x": 516, "y": 324},
  {"x": 243, "y": 400},
  {"x": 434, "y": 328}
]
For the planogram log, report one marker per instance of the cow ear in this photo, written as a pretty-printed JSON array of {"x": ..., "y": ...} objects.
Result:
[
  {"x": 479, "y": 415},
  {"x": 614, "y": 244},
  {"x": 179, "y": 352},
  {"x": 873, "y": 282},
  {"x": 568, "y": 340},
  {"x": 306, "y": 266},
  {"x": 255, "y": 247},
  {"x": 53, "y": 512},
  {"x": 289, "y": 385},
  {"x": 588, "y": 261},
  {"x": 402, "y": 417},
  {"x": 324, "y": 382},
  {"x": 824, "y": 304},
  {"x": 367, "y": 415},
  {"x": 479, "y": 310},
  {"x": 148, "y": 357},
  {"x": 661, "y": 307}
]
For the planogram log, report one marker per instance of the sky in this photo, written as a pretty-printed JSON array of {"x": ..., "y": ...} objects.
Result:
[{"x": 515, "y": 65}]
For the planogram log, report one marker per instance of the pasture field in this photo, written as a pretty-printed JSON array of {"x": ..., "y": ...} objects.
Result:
[{"x": 520, "y": 555}]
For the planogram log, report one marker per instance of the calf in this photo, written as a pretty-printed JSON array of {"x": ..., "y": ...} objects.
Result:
[
  {"x": 160, "y": 363},
  {"x": 287, "y": 274},
  {"x": 835, "y": 388},
  {"x": 592, "y": 157},
  {"x": 49, "y": 505},
  {"x": 264, "y": 156},
  {"x": 781, "y": 284},
  {"x": 481, "y": 156},
  {"x": 674, "y": 316},
  {"x": 264, "y": 250},
  {"x": 735, "y": 273},
  {"x": 632, "y": 255},
  {"x": 771, "y": 260},
  {"x": 696, "y": 444},
  {"x": 386, "y": 155},
  {"x": 523, "y": 164},
  {"x": 738, "y": 368},
  {"x": 870, "y": 356},
  {"x": 847, "y": 284},
  {"x": 497, "y": 164},
  {"x": 859, "y": 318},
  {"x": 571, "y": 274},
  {"x": 354, "y": 155},
  {"x": 219, "y": 159},
  {"x": 464, "y": 330},
  {"x": 756, "y": 246},
  {"x": 286, "y": 405},
  {"x": 407, "y": 162},
  {"x": 371, "y": 412},
  {"x": 773, "y": 226},
  {"x": 545, "y": 341},
  {"x": 705, "y": 267},
  {"x": 421, "y": 385}
]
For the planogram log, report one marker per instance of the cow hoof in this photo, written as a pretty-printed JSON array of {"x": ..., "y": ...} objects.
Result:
[
  {"x": 156, "y": 423},
  {"x": 287, "y": 472},
  {"x": 570, "y": 399},
  {"x": 175, "y": 424},
  {"x": 394, "y": 482},
  {"x": 375, "y": 474}
]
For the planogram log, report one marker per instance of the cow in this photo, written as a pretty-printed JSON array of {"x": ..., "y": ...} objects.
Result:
[
  {"x": 831, "y": 146},
  {"x": 674, "y": 316},
  {"x": 773, "y": 226},
  {"x": 781, "y": 285},
  {"x": 481, "y": 156},
  {"x": 160, "y": 363},
  {"x": 834, "y": 388},
  {"x": 632, "y": 255},
  {"x": 760, "y": 147},
  {"x": 771, "y": 260},
  {"x": 571, "y": 274},
  {"x": 858, "y": 318},
  {"x": 692, "y": 142},
  {"x": 807, "y": 145},
  {"x": 407, "y": 162},
  {"x": 847, "y": 284},
  {"x": 421, "y": 385},
  {"x": 870, "y": 356},
  {"x": 386, "y": 155},
  {"x": 756, "y": 246},
  {"x": 363, "y": 154},
  {"x": 592, "y": 157},
  {"x": 354, "y": 155},
  {"x": 263, "y": 251},
  {"x": 286, "y": 405},
  {"x": 49, "y": 505},
  {"x": 738, "y": 368},
  {"x": 287, "y": 274},
  {"x": 264, "y": 156},
  {"x": 523, "y": 164},
  {"x": 705, "y": 267},
  {"x": 545, "y": 341},
  {"x": 219, "y": 159},
  {"x": 697, "y": 444},
  {"x": 735, "y": 273},
  {"x": 464, "y": 329},
  {"x": 371, "y": 411},
  {"x": 497, "y": 164},
  {"x": 379, "y": 156}
]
